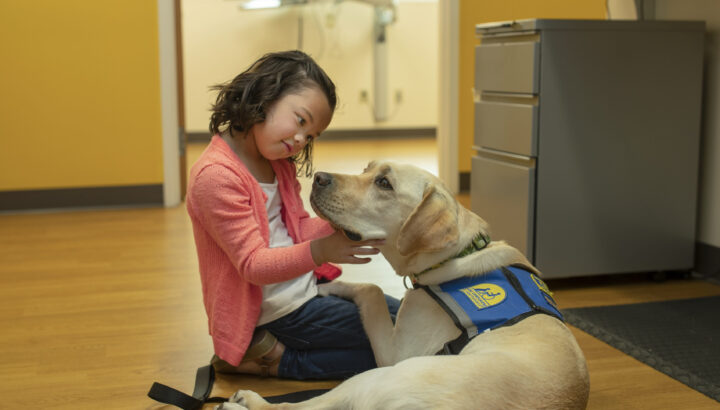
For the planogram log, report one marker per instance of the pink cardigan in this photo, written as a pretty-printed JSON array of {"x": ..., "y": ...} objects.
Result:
[{"x": 227, "y": 209}]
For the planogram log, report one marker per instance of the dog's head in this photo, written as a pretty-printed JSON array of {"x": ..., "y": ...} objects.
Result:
[{"x": 408, "y": 207}]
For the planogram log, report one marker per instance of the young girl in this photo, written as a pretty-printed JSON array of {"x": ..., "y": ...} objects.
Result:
[{"x": 259, "y": 252}]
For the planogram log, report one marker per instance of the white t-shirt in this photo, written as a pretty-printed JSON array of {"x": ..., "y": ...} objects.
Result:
[{"x": 279, "y": 299}]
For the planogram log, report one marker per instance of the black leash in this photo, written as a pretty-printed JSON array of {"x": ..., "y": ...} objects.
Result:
[{"x": 204, "y": 380}]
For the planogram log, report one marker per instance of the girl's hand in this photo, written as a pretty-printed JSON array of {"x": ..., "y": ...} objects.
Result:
[{"x": 337, "y": 248}]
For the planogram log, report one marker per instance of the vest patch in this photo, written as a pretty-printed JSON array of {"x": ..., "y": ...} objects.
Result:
[
  {"x": 545, "y": 290},
  {"x": 484, "y": 295}
]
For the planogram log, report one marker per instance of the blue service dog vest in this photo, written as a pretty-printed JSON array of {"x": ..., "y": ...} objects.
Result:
[{"x": 499, "y": 298}]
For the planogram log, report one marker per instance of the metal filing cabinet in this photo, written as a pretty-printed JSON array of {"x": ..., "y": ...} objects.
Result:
[{"x": 587, "y": 142}]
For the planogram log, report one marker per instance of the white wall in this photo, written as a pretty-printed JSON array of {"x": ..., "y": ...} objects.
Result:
[
  {"x": 220, "y": 41},
  {"x": 708, "y": 10}
]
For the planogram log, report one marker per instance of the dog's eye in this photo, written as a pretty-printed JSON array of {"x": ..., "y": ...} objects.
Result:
[{"x": 383, "y": 183}]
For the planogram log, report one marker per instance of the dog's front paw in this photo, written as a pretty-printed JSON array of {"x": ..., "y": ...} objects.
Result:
[
  {"x": 347, "y": 290},
  {"x": 324, "y": 289},
  {"x": 247, "y": 399},
  {"x": 336, "y": 288}
]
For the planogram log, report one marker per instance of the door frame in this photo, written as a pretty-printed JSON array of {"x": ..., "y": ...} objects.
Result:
[
  {"x": 448, "y": 104},
  {"x": 171, "y": 101}
]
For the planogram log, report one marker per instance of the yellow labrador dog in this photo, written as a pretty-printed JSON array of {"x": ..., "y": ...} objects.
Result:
[{"x": 530, "y": 362}]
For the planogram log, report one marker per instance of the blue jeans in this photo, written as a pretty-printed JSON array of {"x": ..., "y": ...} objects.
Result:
[{"x": 324, "y": 339}]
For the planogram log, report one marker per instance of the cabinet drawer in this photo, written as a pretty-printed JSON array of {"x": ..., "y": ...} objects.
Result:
[
  {"x": 507, "y": 67},
  {"x": 506, "y": 127},
  {"x": 503, "y": 194}
]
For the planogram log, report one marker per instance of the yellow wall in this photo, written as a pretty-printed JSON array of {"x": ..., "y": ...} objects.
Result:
[
  {"x": 79, "y": 94},
  {"x": 473, "y": 12}
]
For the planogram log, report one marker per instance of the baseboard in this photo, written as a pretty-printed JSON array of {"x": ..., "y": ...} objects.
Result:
[
  {"x": 707, "y": 260},
  {"x": 380, "y": 133},
  {"x": 464, "y": 182},
  {"x": 81, "y": 197},
  {"x": 349, "y": 134},
  {"x": 198, "y": 136}
]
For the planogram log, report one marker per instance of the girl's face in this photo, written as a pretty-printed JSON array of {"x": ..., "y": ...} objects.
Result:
[{"x": 291, "y": 123}]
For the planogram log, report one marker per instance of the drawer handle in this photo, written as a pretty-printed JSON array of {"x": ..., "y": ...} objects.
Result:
[
  {"x": 506, "y": 156},
  {"x": 500, "y": 94}
]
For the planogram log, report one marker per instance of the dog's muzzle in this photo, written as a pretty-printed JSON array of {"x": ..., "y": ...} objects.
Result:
[{"x": 321, "y": 183}]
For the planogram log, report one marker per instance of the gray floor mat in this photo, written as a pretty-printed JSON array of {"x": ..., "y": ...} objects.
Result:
[{"x": 680, "y": 338}]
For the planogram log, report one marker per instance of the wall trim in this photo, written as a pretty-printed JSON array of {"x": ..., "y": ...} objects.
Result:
[
  {"x": 44, "y": 199},
  {"x": 707, "y": 260},
  {"x": 464, "y": 178},
  {"x": 428, "y": 132},
  {"x": 197, "y": 136}
]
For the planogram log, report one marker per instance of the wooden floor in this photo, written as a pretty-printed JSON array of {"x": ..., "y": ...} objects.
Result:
[{"x": 98, "y": 304}]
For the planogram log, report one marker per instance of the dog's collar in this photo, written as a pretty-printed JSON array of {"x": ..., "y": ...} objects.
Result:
[{"x": 479, "y": 242}]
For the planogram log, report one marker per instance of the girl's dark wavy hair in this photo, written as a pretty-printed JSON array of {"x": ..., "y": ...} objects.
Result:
[{"x": 244, "y": 101}]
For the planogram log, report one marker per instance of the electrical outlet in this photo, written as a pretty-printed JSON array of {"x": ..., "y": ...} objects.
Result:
[
  {"x": 398, "y": 96},
  {"x": 363, "y": 96}
]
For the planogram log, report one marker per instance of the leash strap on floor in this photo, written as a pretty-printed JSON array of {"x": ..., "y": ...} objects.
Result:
[
  {"x": 296, "y": 397},
  {"x": 204, "y": 380}
]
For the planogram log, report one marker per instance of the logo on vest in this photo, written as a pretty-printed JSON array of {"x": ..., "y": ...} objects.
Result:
[
  {"x": 545, "y": 290},
  {"x": 484, "y": 295},
  {"x": 541, "y": 285}
]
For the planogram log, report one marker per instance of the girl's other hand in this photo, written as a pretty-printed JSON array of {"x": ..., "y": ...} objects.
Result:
[{"x": 337, "y": 248}]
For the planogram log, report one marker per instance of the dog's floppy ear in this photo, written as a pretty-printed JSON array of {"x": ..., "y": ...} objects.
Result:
[{"x": 432, "y": 226}]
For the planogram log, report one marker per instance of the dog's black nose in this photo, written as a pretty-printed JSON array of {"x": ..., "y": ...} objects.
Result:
[{"x": 323, "y": 179}]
